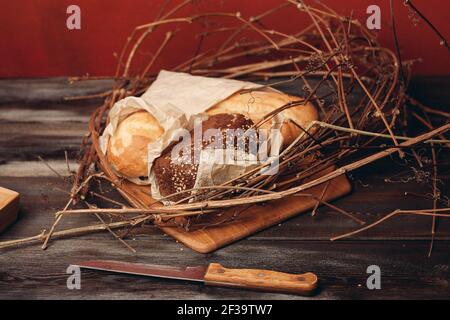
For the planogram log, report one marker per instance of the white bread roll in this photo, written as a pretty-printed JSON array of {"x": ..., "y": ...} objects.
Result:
[
  {"x": 128, "y": 147},
  {"x": 257, "y": 104}
]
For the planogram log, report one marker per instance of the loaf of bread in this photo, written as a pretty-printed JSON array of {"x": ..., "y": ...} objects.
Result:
[
  {"x": 128, "y": 147},
  {"x": 257, "y": 104},
  {"x": 175, "y": 173}
]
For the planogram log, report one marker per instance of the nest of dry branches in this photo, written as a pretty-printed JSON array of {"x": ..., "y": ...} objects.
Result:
[{"x": 358, "y": 85}]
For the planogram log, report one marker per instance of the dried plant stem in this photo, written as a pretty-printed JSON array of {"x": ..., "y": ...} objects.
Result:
[
  {"x": 89, "y": 96},
  {"x": 129, "y": 211},
  {"x": 141, "y": 39},
  {"x": 115, "y": 234},
  {"x": 243, "y": 27},
  {"x": 339, "y": 210},
  {"x": 428, "y": 22},
  {"x": 158, "y": 53},
  {"x": 59, "y": 217},
  {"x": 394, "y": 32},
  {"x": 425, "y": 108},
  {"x": 50, "y": 167},
  {"x": 52, "y": 229},
  {"x": 322, "y": 124},
  {"x": 342, "y": 99},
  {"x": 425, "y": 212},
  {"x": 380, "y": 112},
  {"x": 101, "y": 196},
  {"x": 318, "y": 181},
  {"x": 66, "y": 157},
  {"x": 324, "y": 191},
  {"x": 435, "y": 200},
  {"x": 374, "y": 134},
  {"x": 429, "y": 126},
  {"x": 66, "y": 233},
  {"x": 91, "y": 206}
]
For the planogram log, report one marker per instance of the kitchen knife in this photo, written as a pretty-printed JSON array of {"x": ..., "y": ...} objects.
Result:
[{"x": 216, "y": 275}]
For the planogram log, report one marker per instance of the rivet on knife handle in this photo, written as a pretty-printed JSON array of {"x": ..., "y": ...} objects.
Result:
[{"x": 262, "y": 280}]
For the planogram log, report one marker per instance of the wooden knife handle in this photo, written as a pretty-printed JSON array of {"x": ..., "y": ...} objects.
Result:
[{"x": 262, "y": 280}]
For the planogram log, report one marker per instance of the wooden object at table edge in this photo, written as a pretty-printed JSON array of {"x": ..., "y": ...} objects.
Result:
[
  {"x": 9, "y": 208},
  {"x": 253, "y": 219}
]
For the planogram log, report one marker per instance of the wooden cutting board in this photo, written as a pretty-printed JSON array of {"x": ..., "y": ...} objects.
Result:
[{"x": 237, "y": 223}]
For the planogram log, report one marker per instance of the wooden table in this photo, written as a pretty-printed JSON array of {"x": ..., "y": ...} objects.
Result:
[{"x": 35, "y": 121}]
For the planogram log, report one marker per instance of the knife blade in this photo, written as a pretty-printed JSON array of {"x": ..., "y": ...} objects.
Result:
[{"x": 215, "y": 275}]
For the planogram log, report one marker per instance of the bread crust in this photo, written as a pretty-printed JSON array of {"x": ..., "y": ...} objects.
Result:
[
  {"x": 128, "y": 148},
  {"x": 175, "y": 176},
  {"x": 257, "y": 104}
]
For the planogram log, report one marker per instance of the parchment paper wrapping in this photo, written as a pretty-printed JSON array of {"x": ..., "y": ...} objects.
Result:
[{"x": 176, "y": 100}]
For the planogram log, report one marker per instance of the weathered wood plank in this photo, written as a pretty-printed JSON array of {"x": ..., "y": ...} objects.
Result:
[
  {"x": 37, "y": 168},
  {"x": 341, "y": 267},
  {"x": 48, "y": 89},
  {"x": 44, "y": 129}
]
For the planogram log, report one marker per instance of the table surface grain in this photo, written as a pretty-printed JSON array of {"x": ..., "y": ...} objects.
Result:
[{"x": 35, "y": 121}]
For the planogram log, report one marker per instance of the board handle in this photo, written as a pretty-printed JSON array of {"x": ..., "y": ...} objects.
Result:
[{"x": 262, "y": 280}]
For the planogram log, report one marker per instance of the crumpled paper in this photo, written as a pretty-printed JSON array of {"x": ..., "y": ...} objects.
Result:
[
  {"x": 171, "y": 119},
  {"x": 176, "y": 100}
]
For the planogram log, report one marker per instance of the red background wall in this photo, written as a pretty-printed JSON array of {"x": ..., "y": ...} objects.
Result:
[{"x": 36, "y": 42}]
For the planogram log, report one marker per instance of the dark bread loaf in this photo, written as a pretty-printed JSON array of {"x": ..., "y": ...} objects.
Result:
[{"x": 179, "y": 174}]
